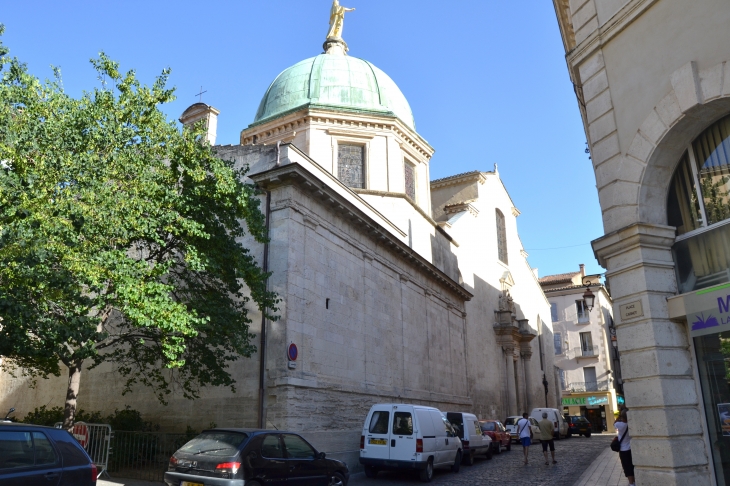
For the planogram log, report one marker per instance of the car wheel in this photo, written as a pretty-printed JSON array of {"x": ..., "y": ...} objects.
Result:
[
  {"x": 588, "y": 434},
  {"x": 570, "y": 434},
  {"x": 498, "y": 449},
  {"x": 509, "y": 446},
  {"x": 557, "y": 436},
  {"x": 469, "y": 459},
  {"x": 489, "y": 453},
  {"x": 337, "y": 479},
  {"x": 426, "y": 474},
  {"x": 457, "y": 463},
  {"x": 371, "y": 472}
]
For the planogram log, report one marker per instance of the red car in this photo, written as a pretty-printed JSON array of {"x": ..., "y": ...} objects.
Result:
[{"x": 500, "y": 436}]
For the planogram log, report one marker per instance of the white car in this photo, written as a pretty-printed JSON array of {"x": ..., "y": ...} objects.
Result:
[
  {"x": 401, "y": 436},
  {"x": 473, "y": 440},
  {"x": 511, "y": 425}
]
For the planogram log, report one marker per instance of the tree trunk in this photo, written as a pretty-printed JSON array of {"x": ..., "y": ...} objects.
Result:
[{"x": 69, "y": 410}]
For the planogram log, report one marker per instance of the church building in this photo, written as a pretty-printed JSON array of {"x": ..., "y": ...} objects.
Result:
[{"x": 393, "y": 287}]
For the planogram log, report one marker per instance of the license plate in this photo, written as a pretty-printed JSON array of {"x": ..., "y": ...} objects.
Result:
[
  {"x": 188, "y": 483},
  {"x": 371, "y": 441}
]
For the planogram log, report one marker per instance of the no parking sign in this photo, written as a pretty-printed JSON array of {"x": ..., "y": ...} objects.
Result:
[{"x": 81, "y": 433}]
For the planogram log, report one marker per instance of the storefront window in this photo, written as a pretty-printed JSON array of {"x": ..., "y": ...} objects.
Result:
[{"x": 713, "y": 356}]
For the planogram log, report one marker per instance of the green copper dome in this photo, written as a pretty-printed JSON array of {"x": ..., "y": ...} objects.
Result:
[{"x": 339, "y": 82}]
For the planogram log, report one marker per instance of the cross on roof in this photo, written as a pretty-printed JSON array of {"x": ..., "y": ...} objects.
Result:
[{"x": 201, "y": 94}]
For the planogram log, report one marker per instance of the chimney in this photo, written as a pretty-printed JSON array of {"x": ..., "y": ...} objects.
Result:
[
  {"x": 582, "y": 270},
  {"x": 200, "y": 111}
]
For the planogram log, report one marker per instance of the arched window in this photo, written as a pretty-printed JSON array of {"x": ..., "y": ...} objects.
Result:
[
  {"x": 501, "y": 237},
  {"x": 351, "y": 165},
  {"x": 705, "y": 165},
  {"x": 409, "y": 173},
  {"x": 698, "y": 205}
]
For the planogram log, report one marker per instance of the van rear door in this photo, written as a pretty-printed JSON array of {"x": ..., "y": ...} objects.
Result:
[
  {"x": 426, "y": 433},
  {"x": 376, "y": 433},
  {"x": 402, "y": 436}
]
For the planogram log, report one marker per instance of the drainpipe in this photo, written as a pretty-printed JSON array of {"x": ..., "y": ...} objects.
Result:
[{"x": 262, "y": 345}]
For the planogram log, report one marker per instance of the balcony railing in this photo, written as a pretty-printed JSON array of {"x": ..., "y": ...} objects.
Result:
[
  {"x": 586, "y": 351},
  {"x": 587, "y": 386}
]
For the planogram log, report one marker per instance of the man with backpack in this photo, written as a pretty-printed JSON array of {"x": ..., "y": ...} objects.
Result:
[{"x": 525, "y": 432}]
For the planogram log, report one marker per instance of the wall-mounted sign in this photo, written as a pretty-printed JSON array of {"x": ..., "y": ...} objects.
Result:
[
  {"x": 585, "y": 401},
  {"x": 708, "y": 310},
  {"x": 632, "y": 310},
  {"x": 292, "y": 353},
  {"x": 620, "y": 400}
]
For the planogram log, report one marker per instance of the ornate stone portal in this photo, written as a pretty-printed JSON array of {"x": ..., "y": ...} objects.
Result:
[{"x": 514, "y": 336}]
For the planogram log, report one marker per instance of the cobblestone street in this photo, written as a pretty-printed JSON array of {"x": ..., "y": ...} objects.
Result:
[{"x": 574, "y": 456}]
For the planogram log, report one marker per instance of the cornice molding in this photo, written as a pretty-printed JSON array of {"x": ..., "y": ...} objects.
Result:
[
  {"x": 614, "y": 26},
  {"x": 273, "y": 130},
  {"x": 295, "y": 174},
  {"x": 480, "y": 177}
]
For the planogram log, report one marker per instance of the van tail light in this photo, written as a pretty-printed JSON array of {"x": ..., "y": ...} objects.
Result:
[
  {"x": 362, "y": 442},
  {"x": 419, "y": 445},
  {"x": 93, "y": 473},
  {"x": 555, "y": 424},
  {"x": 465, "y": 443},
  {"x": 173, "y": 464},
  {"x": 228, "y": 467}
]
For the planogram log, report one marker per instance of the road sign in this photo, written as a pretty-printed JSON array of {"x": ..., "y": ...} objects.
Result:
[
  {"x": 81, "y": 433},
  {"x": 292, "y": 352}
]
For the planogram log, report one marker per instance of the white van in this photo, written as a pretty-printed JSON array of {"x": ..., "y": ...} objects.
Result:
[
  {"x": 473, "y": 440},
  {"x": 402, "y": 436},
  {"x": 560, "y": 426}
]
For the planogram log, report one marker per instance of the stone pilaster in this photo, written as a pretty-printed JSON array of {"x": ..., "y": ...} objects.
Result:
[
  {"x": 657, "y": 367},
  {"x": 509, "y": 361}
]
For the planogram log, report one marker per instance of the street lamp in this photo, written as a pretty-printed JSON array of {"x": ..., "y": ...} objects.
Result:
[{"x": 588, "y": 297}]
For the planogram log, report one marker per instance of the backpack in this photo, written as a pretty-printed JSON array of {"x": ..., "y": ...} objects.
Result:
[{"x": 616, "y": 443}]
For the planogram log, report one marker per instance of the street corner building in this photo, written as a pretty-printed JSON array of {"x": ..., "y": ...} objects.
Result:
[
  {"x": 393, "y": 287},
  {"x": 585, "y": 347},
  {"x": 652, "y": 80}
]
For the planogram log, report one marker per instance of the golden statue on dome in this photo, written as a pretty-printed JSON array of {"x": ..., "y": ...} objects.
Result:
[{"x": 337, "y": 18}]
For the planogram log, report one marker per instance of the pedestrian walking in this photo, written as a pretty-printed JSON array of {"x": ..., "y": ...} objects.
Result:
[
  {"x": 525, "y": 432},
  {"x": 546, "y": 438},
  {"x": 622, "y": 431}
]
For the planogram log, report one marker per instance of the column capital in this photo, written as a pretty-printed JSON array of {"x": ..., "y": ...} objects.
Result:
[{"x": 631, "y": 237}]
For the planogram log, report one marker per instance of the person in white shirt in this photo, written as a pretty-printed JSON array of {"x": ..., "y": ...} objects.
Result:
[
  {"x": 622, "y": 431},
  {"x": 525, "y": 432}
]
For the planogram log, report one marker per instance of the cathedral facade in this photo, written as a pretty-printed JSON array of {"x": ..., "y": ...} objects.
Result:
[{"x": 393, "y": 287}]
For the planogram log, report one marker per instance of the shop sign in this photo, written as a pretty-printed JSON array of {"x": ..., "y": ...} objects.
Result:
[
  {"x": 584, "y": 401},
  {"x": 620, "y": 400},
  {"x": 597, "y": 400},
  {"x": 574, "y": 402},
  {"x": 708, "y": 310}
]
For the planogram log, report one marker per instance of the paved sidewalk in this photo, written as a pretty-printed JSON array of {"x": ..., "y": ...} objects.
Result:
[
  {"x": 604, "y": 471},
  {"x": 126, "y": 482}
]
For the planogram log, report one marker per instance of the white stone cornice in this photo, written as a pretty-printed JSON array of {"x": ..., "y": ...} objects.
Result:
[{"x": 637, "y": 235}]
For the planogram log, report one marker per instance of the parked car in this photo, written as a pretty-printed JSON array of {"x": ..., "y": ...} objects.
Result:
[
  {"x": 33, "y": 455},
  {"x": 499, "y": 435},
  {"x": 560, "y": 426},
  {"x": 511, "y": 426},
  {"x": 401, "y": 436},
  {"x": 473, "y": 440},
  {"x": 578, "y": 424},
  {"x": 232, "y": 457}
]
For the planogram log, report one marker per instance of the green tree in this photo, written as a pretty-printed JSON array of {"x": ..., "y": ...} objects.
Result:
[{"x": 120, "y": 238}]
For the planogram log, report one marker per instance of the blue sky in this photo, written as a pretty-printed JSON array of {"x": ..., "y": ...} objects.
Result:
[{"x": 487, "y": 83}]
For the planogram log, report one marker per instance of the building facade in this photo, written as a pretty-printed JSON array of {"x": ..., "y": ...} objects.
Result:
[
  {"x": 393, "y": 288},
  {"x": 585, "y": 347},
  {"x": 652, "y": 78}
]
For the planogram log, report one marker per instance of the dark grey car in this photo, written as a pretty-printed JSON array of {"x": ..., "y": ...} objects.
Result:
[
  {"x": 254, "y": 457},
  {"x": 32, "y": 455}
]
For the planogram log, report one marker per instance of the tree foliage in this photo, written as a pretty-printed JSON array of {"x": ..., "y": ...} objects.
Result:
[{"x": 121, "y": 236}]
